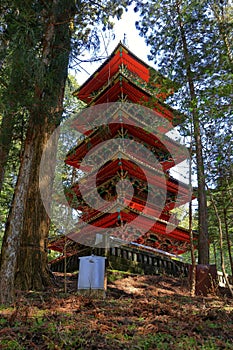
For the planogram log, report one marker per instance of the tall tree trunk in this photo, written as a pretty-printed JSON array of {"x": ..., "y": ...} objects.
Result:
[
  {"x": 193, "y": 265},
  {"x": 6, "y": 134},
  {"x": 228, "y": 239},
  {"x": 24, "y": 257},
  {"x": 203, "y": 238},
  {"x": 23, "y": 250},
  {"x": 32, "y": 271},
  {"x": 221, "y": 243}
]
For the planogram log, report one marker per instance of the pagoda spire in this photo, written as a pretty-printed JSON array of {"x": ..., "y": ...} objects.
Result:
[{"x": 125, "y": 40}]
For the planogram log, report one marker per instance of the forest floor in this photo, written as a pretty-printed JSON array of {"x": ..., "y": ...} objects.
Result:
[{"x": 138, "y": 312}]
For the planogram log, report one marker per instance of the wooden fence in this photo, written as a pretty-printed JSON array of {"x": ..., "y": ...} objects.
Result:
[{"x": 129, "y": 259}]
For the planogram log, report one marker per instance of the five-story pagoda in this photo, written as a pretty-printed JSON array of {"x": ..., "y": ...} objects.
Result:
[{"x": 125, "y": 154}]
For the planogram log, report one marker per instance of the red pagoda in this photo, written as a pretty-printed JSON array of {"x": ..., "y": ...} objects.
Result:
[{"x": 132, "y": 94}]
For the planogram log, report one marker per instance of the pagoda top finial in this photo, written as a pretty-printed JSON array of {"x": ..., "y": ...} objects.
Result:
[{"x": 125, "y": 41}]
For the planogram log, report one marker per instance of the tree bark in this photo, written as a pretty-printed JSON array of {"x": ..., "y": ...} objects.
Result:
[
  {"x": 6, "y": 134},
  {"x": 203, "y": 238},
  {"x": 32, "y": 271},
  {"x": 24, "y": 256},
  {"x": 193, "y": 265},
  {"x": 228, "y": 240},
  {"x": 221, "y": 243}
]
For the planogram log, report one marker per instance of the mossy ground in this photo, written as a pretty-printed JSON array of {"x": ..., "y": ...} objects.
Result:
[{"x": 138, "y": 312}]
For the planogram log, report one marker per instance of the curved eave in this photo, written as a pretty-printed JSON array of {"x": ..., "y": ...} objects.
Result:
[
  {"x": 120, "y": 55},
  {"x": 110, "y": 220},
  {"x": 108, "y": 172},
  {"x": 123, "y": 88},
  {"x": 160, "y": 142}
]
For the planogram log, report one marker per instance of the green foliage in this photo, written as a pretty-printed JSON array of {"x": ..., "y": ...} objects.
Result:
[
  {"x": 71, "y": 104},
  {"x": 222, "y": 196},
  {"x": 11, "y": 344},
  {"x": 208, "y": 29},
  {"x": 191, "y": 42},
  {"x": 33, "y": 63},
  {"x": 12, "y": 167},
  {"x": 28, "y": 72},
  {"x": 161, "y": 25},
  {"x": 90, "y": 21}
]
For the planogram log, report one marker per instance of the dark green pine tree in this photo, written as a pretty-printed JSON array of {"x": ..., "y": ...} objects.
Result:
[{"x": 187, "y": 46}]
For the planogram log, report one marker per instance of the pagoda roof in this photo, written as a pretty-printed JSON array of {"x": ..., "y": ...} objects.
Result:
[
  {"x": 144, "y": 117},
  {"x": 158, "y": 229},
  {"x": 125, "y": 76},
  {"x": 130, "y": 164},
  {"x": 121, "y": 54},
  {"x": 135, "y": 204},
  {"x": 157, "y": 143}
]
